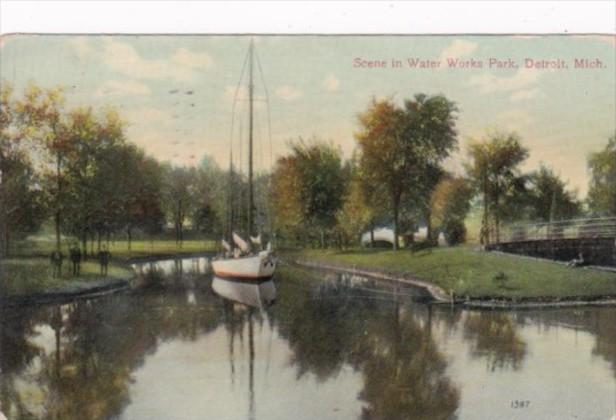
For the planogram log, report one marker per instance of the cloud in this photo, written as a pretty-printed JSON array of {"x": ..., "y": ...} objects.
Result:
[
  {"x": 488, "y": 82},
  {"x": 184, "y": 65},
  {"x": 524, "y": 94},
  {"x": 288, "y": 93},
  {"x": 81, "y": 47},
  {"x": 145, "y": 116},
  {"x": 117, "y": 88},
  {"x": 331, "y": 83},
  {"x": 458, "y": 48}
]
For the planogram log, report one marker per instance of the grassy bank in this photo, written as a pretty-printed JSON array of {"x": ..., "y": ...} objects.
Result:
[
  {"x": 24, "y": 276},
  {"x": 28, "y": 270},
  {"x": 118, "y": 249},
  {"x": 478, "y": 274}
]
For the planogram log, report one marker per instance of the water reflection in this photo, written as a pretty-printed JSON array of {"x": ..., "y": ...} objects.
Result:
[
  {"x": 249, "y": 293},
  {"x": 330, "y": 347},
  {"x": 494, "y": 337}
]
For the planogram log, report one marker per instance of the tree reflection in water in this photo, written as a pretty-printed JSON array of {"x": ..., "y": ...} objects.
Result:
[
  {"x": 404, "y": 374},
  {"x": 605, "y": 329},
  {"x": 97, "y": 345},
  {"x": 494, "y": 336},
  {"x": 16, "y": 355}
]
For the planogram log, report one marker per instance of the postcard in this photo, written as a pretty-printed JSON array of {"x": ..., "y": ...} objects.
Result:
[{"x": 307, "y": 226}]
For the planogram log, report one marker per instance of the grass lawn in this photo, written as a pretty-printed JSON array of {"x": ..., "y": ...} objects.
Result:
[
  {"x": 118, "y": 249},
  {"x": 22, "y": 276},
  {"x": 478, "y": 274}
]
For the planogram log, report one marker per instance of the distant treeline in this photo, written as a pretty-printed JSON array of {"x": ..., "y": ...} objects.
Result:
[{"x": 76, "y": 169}]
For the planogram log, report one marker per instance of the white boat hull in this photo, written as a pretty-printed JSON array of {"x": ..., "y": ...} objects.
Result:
[
  {"x": 254, "y": 294},
  {"x": 254, "y": 267}
]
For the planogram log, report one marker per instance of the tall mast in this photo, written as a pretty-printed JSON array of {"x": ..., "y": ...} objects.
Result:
[
  {"x": 231, "y": 220},
  {"x": 250, "y": 100}
]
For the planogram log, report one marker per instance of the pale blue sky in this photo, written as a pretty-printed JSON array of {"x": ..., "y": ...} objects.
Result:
[{"x": 561, "y": 115}]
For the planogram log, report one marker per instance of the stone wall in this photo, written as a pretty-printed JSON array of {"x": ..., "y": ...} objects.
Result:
[{"x": 597, "y": 251}]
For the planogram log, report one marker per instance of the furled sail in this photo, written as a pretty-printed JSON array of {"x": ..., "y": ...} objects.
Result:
[
  {"x": 242, "y": 244},
  {"x": 256, "y": 240},
  {"x": 226, "y": 245}
]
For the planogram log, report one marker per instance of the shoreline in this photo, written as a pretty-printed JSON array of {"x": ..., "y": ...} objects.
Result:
[
  {"x": 92, "y": 288},
  {"x": 82, "y": 289},
  {"x": 441, "y": 297}
]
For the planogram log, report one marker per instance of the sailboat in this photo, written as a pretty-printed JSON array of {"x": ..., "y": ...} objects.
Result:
[{"x": 239, "y": 261}]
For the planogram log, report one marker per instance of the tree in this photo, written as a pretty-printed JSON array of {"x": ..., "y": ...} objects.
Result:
[
  {"x": 449, "y": 204},
  {"x": 140, "y": 189},
  {"x": 21, "y": 204},
  {"x": 356, "y": 214},
  {"x": 178, "y": 197},
  {"x": 309, "y": 186},
  {"x": 549, "y": 199},
  {"x": 494, "y": 171},
  {"x": 210, "y": 211},
  {"x": 602, "y": 191},
  {"x": 286, "y": 199},
  {"x": 41, "y": 112},
  {"x": 400, "y": 146}
]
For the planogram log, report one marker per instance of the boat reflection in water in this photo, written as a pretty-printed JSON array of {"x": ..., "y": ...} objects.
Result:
[{"x": 250, "y": 293}]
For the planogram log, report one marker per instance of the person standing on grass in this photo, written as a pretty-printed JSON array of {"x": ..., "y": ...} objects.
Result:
[
  {"x": 56, "y": 262},
  {"x": 103, "y": 259},
  {"x": 75, "y": 254}
]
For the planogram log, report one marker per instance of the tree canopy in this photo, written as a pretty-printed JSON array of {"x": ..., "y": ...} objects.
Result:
[
  {"x": 402, "y": 147},
  {"x": 602, "y": 192},
  {"x": 494, "y": 169}
]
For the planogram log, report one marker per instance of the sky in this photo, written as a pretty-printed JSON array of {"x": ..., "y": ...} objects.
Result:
[{"x": 177, "y": 92}]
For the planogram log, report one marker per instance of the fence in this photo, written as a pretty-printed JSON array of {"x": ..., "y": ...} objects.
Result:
[{"x": 567, "y": 229}]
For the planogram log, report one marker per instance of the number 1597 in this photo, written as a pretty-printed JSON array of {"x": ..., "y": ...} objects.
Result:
[{"x": 520, "y": 404}]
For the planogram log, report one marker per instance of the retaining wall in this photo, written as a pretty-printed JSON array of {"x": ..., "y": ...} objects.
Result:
[{"x": 596, "y": 251}]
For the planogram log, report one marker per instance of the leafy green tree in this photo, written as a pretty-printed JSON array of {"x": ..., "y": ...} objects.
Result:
[
  {"x": 602, "y": 191},
  {"x": 42, "y": 114},
  {"x": 356, "y": 214},
  {"x": 549, "y": 198},
  {"x": 450, "y": 204},
  {"x": 211, "y": 211},
  {"x": 311, "y": 181},
  {"x": 141, "y": 192},
  {"x": 286, "y": 200},
  {"x": 400, "y": 145},
  {"x": 21, "y": 200},
  {"x": 494, "y": 171},
  {"x": 179, "y": 197}
]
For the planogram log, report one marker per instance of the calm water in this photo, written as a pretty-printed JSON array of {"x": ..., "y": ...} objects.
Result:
[{"x": 329, "y": 347}]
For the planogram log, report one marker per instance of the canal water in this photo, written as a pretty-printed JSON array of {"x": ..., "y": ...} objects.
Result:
[{"x": 309, "y": 345}]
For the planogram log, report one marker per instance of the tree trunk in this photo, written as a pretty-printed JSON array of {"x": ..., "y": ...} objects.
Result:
[
  {"x": 84, "y": 244},
  {"x": 396, "y": 216},
  {"x": 57, "y": 217},
  {"x": 130, "y": 238},
  {"x": 371, "y": 235},
  {"x": 429, "y": 230},
  {"x": 484, "y": 236}
]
